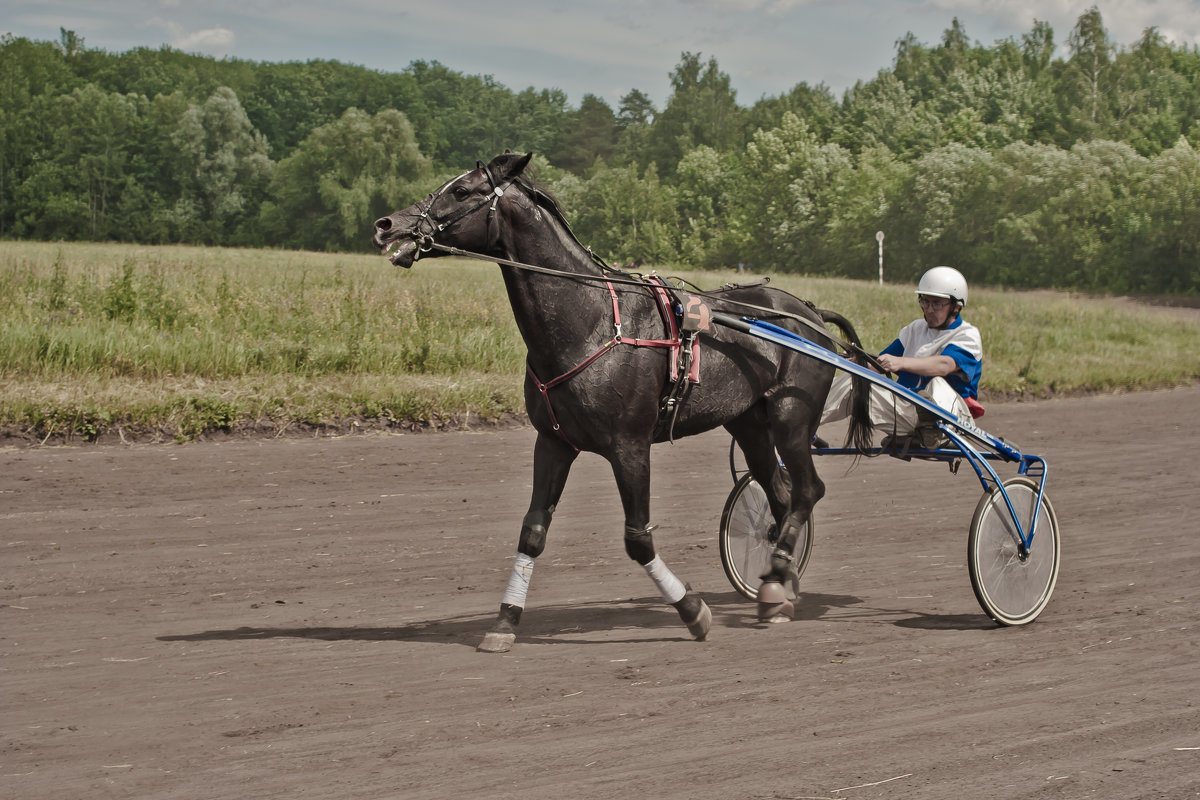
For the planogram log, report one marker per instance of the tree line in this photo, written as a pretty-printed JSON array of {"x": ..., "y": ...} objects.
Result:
[{"x": 1023, "y": 167}]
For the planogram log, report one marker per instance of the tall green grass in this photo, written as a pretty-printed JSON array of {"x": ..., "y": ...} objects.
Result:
[{"x": 176, "y": 342}]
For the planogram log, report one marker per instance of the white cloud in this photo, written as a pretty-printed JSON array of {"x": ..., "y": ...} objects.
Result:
[
  {"x": 216, "y": 40},
  {"x": 1125, "y": 20}
]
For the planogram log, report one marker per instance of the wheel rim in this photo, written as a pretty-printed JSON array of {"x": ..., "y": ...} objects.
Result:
[
  {"x": 748, "y": 536},
  {"x": 746, "y": 543},
  {"x": 1012, "y": 590}
]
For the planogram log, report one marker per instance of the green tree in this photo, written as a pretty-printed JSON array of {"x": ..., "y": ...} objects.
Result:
[
  {"x": 31, "y": 73},
  {"x": 950, "y": 213},
  {"x": 96, "y": 128},
  {"x": 635, "y": 116},
  {"x": 883, "y": 113},
  {"x": 539, "y": 121},
  {"x": 636, "y": 109},
  {"x": 787, "y": 193},
  {"x": 1067, "y": 218},
  {"x": 1094, "y": 220},
  {"x": 815, "y": 105},
  {"x": 702, "y": 110},
  {"x": 1037, "y": 49},
  {"x": 72, "y": 191},
  {"x": 926, "y": 70},
  {"x": 707, "y": 186},
  {"x": 1037, "y": 53},
  {"x": 870, "y": 197},
  {"x": 914, "y": 67},
  {"x": 461, "y": 119},
  {"x": 289, "y": 101},
  {"x": 1169, "y": 205},
  {"x": 625, "y": 215},
  {"x": 1025, "y": 176},
  {"x": 955, "y": 53},
  {"x": 1085, "y": 79},
  {"x": 989, "y": 107},
  {"x": 224, "y": 168},
  {"x": 588, "y": 134},
  {"x": 342, "y": 176},
  {"x": 1152, "y": 104},
  {"x": 451, "y": 121}
]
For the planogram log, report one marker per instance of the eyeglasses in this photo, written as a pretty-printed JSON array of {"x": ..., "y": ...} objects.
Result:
[{"x": 933, "y": 302}]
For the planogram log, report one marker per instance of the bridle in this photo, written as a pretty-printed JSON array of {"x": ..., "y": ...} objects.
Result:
[{"x": 425, "y": 238}]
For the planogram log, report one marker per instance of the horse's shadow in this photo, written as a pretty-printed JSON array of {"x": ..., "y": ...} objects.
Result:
[
  {"x": 573, "y": 623},
  {"x": 812, "y": 606},
  {"x": 555, "y": 624}
]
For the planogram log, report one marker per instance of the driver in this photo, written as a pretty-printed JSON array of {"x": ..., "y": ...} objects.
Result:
[{"x": 939, "y": 356}]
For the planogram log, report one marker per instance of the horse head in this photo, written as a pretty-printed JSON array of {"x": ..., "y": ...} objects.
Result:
[{"x": 454, "y": 215}]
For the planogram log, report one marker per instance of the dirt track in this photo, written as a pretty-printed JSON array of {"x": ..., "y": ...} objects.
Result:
[{"x": 298, "y": 619}]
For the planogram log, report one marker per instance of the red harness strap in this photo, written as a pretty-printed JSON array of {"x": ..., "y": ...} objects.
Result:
[{"x": 674, "y": 342}]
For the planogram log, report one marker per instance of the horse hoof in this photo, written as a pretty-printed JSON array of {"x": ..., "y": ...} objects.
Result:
[
  {"x": 695, "y": 614},
  {"x": 700, "y": 625},
  {"x": 494, "y": 642},
  {"x": 773, "y": 605}
]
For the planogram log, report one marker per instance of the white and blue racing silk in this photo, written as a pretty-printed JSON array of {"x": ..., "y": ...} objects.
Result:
[{"x": 960, "y": 341}]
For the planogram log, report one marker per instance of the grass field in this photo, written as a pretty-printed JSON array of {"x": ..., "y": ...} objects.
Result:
[{"x": 172, "y": 343}]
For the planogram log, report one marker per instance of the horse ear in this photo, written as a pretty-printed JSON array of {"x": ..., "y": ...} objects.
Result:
[{"x": 509, "y": 165}]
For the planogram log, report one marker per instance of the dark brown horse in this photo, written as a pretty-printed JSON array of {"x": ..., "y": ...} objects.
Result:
[{"x": 599, "y": 373}]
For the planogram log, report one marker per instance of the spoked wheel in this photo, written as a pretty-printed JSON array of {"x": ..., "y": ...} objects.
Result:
[
  {"x": 748, "y": 537},
  {"x": 1013, "y": 590}
]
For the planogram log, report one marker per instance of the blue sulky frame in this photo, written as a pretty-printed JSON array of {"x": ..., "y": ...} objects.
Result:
[{"x": 960, "y": 432}]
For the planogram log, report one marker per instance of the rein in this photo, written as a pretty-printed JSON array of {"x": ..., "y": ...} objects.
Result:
[
  {"x": 632, "y": 280},
  {"x": 427, "y": 242}
]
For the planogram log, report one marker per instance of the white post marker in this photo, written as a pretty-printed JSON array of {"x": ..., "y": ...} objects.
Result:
[{"x": 879, "y": 238}]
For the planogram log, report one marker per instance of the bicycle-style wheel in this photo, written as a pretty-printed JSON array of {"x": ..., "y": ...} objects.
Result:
[
  {"x": 748, "y": 536},
  {"x": 1012, "y": 590}
]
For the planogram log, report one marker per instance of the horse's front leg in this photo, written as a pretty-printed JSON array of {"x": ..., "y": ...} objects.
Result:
[
  {"x": 552, "y": 459},
  {"x": 631, "y": 468}
]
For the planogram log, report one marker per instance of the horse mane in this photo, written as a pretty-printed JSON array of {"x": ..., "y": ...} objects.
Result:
[{"x": 549, "y": 203}]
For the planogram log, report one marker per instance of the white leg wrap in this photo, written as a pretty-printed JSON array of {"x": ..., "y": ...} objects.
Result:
[
  {"x": 670, "y": 587},
  {"x": 518, "y": 581}
]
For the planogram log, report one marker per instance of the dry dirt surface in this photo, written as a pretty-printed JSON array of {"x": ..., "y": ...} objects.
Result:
[{"x": 298, "y": 619}]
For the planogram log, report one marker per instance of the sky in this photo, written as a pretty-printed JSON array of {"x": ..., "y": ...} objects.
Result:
[{"x": 599, "y": 47}]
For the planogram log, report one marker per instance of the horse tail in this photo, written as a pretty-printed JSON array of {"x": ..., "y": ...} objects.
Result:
[{"x": 859, "y": 434}]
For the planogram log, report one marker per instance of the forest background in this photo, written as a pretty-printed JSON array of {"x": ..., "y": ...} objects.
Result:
[{"x": 1029, "y": 170}]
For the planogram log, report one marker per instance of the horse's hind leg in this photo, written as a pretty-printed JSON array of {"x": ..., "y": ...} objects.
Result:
[
  {"x": 631, "y": 468},
  {"x": 792, "y": 431},
  {"x": 753, "y": 436},
  {"x": 552, "y": 459}
]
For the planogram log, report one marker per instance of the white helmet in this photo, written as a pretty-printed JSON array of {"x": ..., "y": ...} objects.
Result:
[{"x": 944, "y": 282}]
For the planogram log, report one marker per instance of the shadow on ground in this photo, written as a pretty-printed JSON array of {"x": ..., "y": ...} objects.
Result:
[{"x": 563, "y": 624}]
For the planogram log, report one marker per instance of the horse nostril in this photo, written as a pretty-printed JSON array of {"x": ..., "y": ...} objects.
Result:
[{"x": 383, "y": 224}]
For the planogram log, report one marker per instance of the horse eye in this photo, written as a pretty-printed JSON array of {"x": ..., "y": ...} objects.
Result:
[{"x": 460, "y": 193}]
